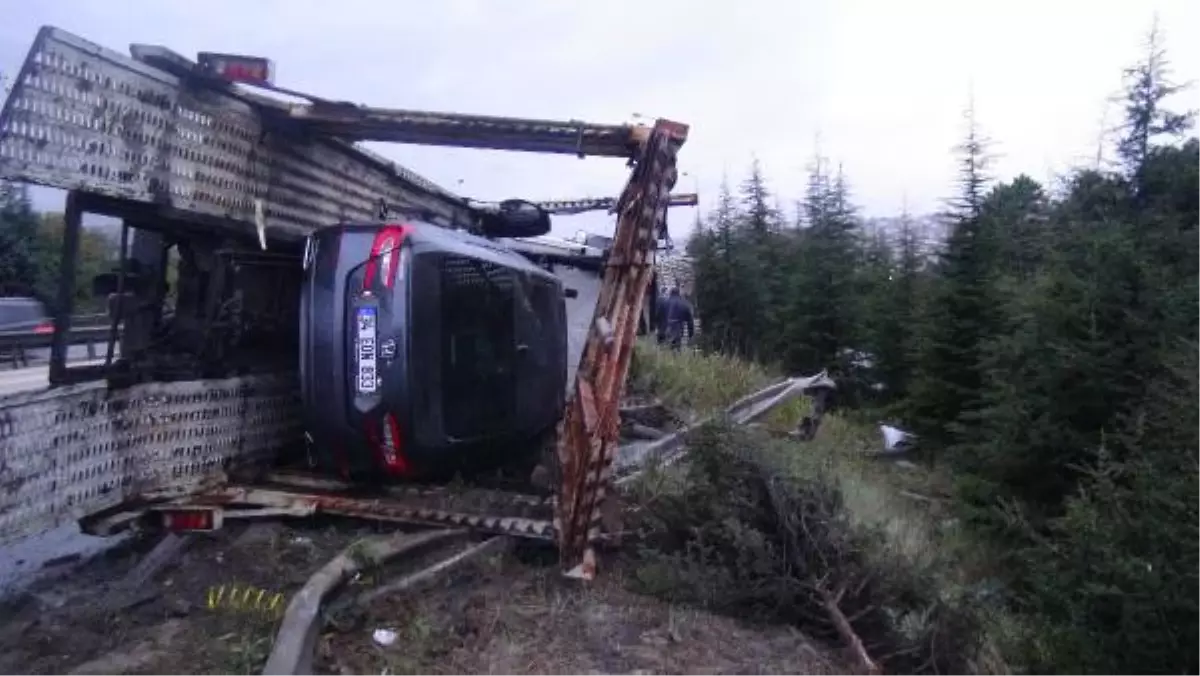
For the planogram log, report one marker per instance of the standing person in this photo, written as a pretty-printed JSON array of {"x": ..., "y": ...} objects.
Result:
[{"x": 674, "y": 315}]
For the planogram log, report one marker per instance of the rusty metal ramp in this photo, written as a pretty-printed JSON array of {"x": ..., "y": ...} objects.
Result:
[{"x": 300, "y": 494}]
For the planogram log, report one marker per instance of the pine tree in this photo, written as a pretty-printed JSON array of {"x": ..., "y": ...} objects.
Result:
[
  {"x": 714, "y": 272},
  {"x": 760, "y": 216},
  {"x": 1014, "y": 218},
  {"x": 1147, "y": 86},
  {"x": 897, "y": 311},
  {"x": 760, "y": 266},
  {"x": 820, "y": 317},
  {"x": 957, "y": 319}
]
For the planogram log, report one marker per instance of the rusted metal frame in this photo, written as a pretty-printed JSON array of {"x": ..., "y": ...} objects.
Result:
[
  {"x": 302, "y": 494},
  {"x": 372, "y": 508},
  {"x": 311, "y": 481},
  {"x": 589, "y": 429},
  {"x": 364, "y": 123},
  {"x": 146, "y": 215},
  {"x": 68, "y": 258}
]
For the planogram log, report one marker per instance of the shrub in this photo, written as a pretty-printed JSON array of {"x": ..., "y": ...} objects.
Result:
[{"x": 741, "y": 536}]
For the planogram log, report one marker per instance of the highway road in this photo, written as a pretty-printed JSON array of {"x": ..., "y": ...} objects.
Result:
[{"x": 36, "y": 376}]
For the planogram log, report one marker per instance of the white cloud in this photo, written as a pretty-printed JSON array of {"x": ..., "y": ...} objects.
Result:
[{"x": 883, "y": 83}]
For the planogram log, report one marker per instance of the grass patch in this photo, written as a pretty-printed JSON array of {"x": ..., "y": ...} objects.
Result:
[
  {"x": 694, "y": 382},
  {"x": 699, "y": 385},
  {"x": 245, "y": 649}
]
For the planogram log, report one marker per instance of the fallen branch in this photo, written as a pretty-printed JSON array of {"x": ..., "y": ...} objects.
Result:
[{"x": 830, "y": 602}]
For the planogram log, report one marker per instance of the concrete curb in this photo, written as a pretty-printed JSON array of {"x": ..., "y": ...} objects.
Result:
[{"x": 292, "y": 651}]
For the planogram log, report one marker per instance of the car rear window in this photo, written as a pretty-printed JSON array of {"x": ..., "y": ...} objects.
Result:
[{"x": 479, "y": 358}]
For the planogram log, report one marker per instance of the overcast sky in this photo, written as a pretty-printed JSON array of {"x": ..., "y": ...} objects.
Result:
[{"x": 880, "y": 85}]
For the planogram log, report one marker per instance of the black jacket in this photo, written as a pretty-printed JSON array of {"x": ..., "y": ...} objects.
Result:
[{"x": 674, "y": 313}]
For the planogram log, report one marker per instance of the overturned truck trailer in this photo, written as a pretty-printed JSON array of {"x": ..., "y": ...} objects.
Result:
[{"x": 221, "y": 184}]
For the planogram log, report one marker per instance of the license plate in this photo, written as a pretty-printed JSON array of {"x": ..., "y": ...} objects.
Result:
[{"x": 368, "y": 377}]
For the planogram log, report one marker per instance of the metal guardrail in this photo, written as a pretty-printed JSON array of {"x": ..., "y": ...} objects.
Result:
[{"x": 85, "y": 329}]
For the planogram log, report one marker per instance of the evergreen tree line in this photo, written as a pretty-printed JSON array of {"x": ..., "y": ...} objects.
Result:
[{"x": 1046, "y": 356}]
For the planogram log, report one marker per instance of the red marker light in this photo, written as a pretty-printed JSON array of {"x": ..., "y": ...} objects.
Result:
[
  {"x": 189, "y": 519},
  {"x": 237, "y": 68}
]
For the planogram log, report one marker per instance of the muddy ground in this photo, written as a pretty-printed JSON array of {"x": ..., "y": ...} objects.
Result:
[{"x": 508, "y": 613}]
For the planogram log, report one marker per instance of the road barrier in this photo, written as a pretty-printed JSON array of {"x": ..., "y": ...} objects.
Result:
[{"x": 85, "y": 329}]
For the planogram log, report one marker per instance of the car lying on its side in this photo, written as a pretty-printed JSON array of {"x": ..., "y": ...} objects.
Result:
[{"x": 426, "y": 351}]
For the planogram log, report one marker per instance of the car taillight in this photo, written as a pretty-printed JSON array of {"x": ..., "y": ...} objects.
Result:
[
  {"x": 190, "y": 519},
  {"x": 44, "y": 327},
  {"x": 385, "y": 256},
  {"x": 388, "y": 445}
]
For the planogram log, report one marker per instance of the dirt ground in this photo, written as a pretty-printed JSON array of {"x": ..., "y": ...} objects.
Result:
[
  {"x": 80, "y": 621},
  {"x": 507, "y": 615},
  {"x": 510, "y": 613}
]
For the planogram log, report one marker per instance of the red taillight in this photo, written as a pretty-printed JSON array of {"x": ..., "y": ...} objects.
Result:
[
  {"x": 385, "y": 256},
  {"x": 238, "y": 68},
  {"x": 389, "y": 447},
  {"x": 190, "y": 519},
  {"x": 44, "y": 327}
]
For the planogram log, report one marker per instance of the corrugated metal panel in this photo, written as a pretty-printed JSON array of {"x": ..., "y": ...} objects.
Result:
[{"x": 84, "y": 117}]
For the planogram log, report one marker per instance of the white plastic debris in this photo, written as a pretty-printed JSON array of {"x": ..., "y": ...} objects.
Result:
[
  {"x": 895, "y": 440},
  {"x": 384, "y": 637}
]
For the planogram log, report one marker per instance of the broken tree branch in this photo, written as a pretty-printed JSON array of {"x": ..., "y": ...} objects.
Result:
[
  {"x": 846, "y": 631},
  {"x": 830, "y": 601}
]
